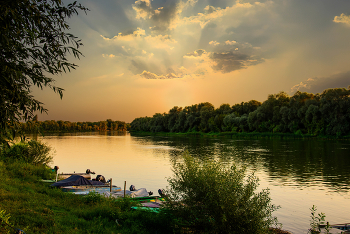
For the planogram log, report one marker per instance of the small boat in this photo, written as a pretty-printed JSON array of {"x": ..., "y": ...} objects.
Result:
[
  {"x": 79, "y": 184},
  {"x": 77, "y": 180},
  {"x": 150, "y": 203},
  {"x": 344, "y": 226},
  {"x": 88, "y": 188}
]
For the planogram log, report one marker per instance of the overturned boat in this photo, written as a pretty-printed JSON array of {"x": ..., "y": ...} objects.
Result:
[{"x": 77, "y": 183}]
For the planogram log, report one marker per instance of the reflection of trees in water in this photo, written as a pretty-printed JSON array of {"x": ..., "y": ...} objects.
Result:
[
  {"x": 95, "y": 133},
  {"x": 287, "y": 162},
  {"x": 308, "y": 162}
]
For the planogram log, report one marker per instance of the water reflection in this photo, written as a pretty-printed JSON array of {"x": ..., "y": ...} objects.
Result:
[{"x": 298, "y": 163}]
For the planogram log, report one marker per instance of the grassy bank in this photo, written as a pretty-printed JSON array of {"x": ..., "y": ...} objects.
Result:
[
  {"x": 35, "y": 207},
  {"x": 240, "y": 135}
]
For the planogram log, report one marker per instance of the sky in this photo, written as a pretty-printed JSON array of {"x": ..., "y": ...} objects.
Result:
[{"x": 143, "y": 57}]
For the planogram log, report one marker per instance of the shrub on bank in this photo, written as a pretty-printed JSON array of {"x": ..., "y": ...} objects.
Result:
[
  {"x": 208, "y": 197},
  {"x": 33, "y": 152}
]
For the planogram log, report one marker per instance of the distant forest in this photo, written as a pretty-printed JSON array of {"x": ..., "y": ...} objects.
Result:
[
  {"x": 327, "y": 113},
  {"x": 66, "y": 126}
]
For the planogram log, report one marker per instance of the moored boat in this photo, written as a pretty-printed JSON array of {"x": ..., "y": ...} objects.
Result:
[
  {"x": 150, "y": 203},
  {"x": 344, "y": 226}
]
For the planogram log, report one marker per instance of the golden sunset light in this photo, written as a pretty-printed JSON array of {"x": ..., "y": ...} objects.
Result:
[
  {"x": 144, "y": 57},
  {"x": 175, "y": 116}
]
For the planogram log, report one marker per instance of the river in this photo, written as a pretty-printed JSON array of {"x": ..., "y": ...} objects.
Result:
[{"x": 299, "y": 173}]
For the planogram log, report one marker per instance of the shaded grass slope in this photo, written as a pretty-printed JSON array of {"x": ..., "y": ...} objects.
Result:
[{"x": 34, "y": 207}]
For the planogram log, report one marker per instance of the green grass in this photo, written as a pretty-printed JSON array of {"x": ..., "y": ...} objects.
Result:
[{"x": 35, "y": 207}]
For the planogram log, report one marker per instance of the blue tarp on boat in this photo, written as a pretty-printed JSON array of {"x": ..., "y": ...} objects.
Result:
[{"x": 75, "y": 180}]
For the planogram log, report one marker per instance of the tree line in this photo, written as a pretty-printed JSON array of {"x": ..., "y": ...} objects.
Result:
[
  {"x": 327, "y": 113},
  {"x": 66, "y": 126}
]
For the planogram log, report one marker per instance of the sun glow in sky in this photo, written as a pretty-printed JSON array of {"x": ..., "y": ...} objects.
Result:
[{"x": 144, "y": 57}]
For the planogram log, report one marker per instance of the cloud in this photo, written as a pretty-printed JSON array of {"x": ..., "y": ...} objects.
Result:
[
  {"x": 214, "y": 43},
  {"x": 168, "y": 16},
  {"x": 150, "y": 75},
  {"x": 231, "y": 61},
  {"x": 138, "y": 37},
  {"x": 228, "y": 42},
  {"x": 127, "y": 36},
  {"x": 162, "y": 18},
  {"x": 196, "y": 53},
  {"x": 153, "y": 51},
  {"x": 345, "y": 19},
  {"x": 224, "y": 62},
  {"x": 108, "y": 55},
  {"x": 143, "y": 9},
  {"x": 212, "y": 13},
  {"x": 318, "y": 84},
  {"x": 161, "y": 41}
]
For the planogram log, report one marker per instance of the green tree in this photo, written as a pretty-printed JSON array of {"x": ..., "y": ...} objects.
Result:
[
  {"x": 206, "y": 112},
  {"x": 180, "y": 122},
  {"x": 172, "y": 117},
  {"x": 34, "y": 45},
  {"x": 245, "y": 107},
  {"x": 103, "y": 126},
  {"x": 224, "y": 109},
  {"x": 158, "y": 123},
  {"x": 334, "y": 107},
  {"x": 228, "y": 122}
]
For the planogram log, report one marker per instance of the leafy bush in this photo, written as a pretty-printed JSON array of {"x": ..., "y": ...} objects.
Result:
[
  {"x": 5, "y": 225},
  {"x": 92, "y": 197},
  {"x": 28, "y": 171},
  {"x": 208, "y": 197},
  {"x": 316, "y": 221},
  {"x": 34, "y": 152}
]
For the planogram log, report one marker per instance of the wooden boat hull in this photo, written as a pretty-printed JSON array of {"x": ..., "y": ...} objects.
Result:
[{"x": 87, "y": 188}]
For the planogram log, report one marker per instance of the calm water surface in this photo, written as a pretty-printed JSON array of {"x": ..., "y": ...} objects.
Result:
[{"x": 299, "y": 173}]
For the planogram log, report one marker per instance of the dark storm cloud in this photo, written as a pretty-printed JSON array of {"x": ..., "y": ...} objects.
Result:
[
  {"x": 317, "y": 85},
  {"x": 231, "y": 61}
]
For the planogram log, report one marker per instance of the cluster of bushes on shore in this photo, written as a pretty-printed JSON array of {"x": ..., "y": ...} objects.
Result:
[
  {"x": 327, "y": 113},
  {"x": 204, "y": 197}
]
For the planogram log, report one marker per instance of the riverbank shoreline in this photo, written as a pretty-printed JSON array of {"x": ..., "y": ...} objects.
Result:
[
  {"x": 32, "y": 206},
  {"x": 250, "y": 135}
]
